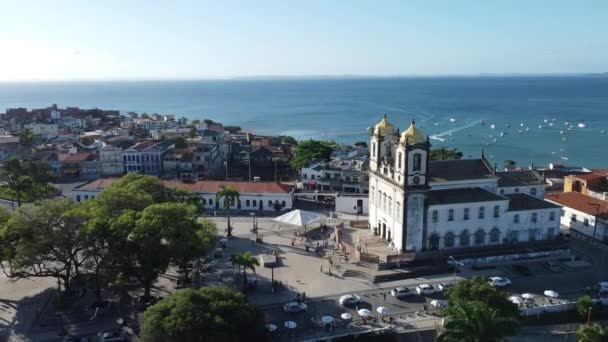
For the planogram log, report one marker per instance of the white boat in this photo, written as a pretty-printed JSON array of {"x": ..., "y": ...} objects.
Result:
[
  {"x": 492, "y": 126},
  {"x": 561, "y": 132},
  {"x": 545, "y": 120},
  {"x": 521, "y": 124},
  {"x": 540, "y": 126},
  {"x": 603, "y": 131},
  {"x": 502, "y": 134},
  {"x": 436, "y": 124},
  {"x": 564, "y": 158},
  {"x": 551, "y": 123},
  {"x": 569, "y": 128},
  {"x": 581, "y": 125},
  {"x": 452, "y": 120}
]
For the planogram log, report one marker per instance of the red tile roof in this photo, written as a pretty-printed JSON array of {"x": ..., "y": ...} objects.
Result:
[
  {"x": 580, "y": 202},
  {"x": 75, "y": 157},
  {"x": 204, "y": 186}
]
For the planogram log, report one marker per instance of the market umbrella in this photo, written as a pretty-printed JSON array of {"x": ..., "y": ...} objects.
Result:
[
  {"x": 271, "y": 327},
  {"x": 346, "y": 316},
  {"x": 290, "y": 325},
  {"x": 551, "y": 293},
  {"x": 382, "y": 310},
  {"x": 327, "y": 319},
  {"x": 516, "y": 299},
  {"x": 528, "y": 296},
  {"x": 364, "y": 313}
]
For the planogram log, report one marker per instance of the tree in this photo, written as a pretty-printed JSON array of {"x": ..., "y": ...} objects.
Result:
[
  {"x": 195, "y": 122},
  {"x": 286, "y": 139},
  {"x": 230, "y": 197},
  {"x": 133, "y": 115},
  {"x": 214, "y": 314},
  {"x": 308, "y": 150},
  {"x": 180, "y": 142},
  {"x": 26, "y": 137},
  {"x": 26, "y": 179},
  {"x": 361, "y": 144},
  {"x": 247, "y": 261},
  {"x": 43, "y": 240},
  {"x": 86, "y": 141},
  {"x": 583, "y": 305},
  {"x": 478, "y": 289},
  {"x": 592, "y": 333},
  {"x": 145, "y": 116},
  {"x": 183, "y": 120},
  {"x": 476, "y": 321},
  {"x": 445, "y": 154}
]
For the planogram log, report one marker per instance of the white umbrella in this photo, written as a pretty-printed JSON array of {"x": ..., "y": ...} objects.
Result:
[
  {"x": 327, "y": 319},
  {"x": 516, "y": 299},
  {"x": 290, "y": 325},
  {"x": 382, "y": 310},
  {"x": 551, "y": 293},
  {"x": 271, "y": 327},
  {"x": 346, "y": 316},
  {"x": 364, "y": 313},
  {"x": 528, "y": 296},
  {"x": 299, "y": 217}
]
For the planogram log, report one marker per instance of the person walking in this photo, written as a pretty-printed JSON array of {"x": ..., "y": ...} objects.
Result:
[{"x": 384, "y": 296}]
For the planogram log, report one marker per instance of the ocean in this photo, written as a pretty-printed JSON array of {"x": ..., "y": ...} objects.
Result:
[{"x": 458, "y": 112}]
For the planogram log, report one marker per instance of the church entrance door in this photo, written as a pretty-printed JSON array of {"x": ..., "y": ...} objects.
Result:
[{"x": 384, "y": 230}]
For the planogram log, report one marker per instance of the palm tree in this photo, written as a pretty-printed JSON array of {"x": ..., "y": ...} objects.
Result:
[
  {"x": 230, "y": 196},
  {"x": 247, "y": 261},
  {"x": 477, "y": 322},
  {"x": 592, "y": 333},
  {"x": 235, "y": 259}
]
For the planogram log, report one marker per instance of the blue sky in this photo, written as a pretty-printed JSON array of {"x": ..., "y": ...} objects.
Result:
[{"x": 61, "y": 39}]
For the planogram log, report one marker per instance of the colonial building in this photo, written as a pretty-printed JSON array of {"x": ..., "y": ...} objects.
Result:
[{"x": 416, "y": 204}]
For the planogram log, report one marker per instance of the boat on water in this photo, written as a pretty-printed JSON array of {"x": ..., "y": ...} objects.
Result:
[
  {"x": 436, "y": 124},
  {"x": 492, "y": 126},
  {"x": 521, "y": 124},
  {"x": 561, "y": 132},
  {"x": 581, "y": 125},
  {"x": 564, "y": 158},
  {"x": 570, "y": 128},
  {"x": 551, "y": 124},
  {"x": 545, "y": 120},
  {"x": 483, "y": 123},
  {"x": 508, "y": 125},
  {"x": 452, "y": 120},
  {"x": 603, "y": 132},
  {"x": 520, "y": 131},
  {"x": 540, "y": 126},
  {"x": 502, "y": 134}
]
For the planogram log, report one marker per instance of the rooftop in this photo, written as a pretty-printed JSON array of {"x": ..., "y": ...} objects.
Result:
[
  {"x": 519, "y": 202},
  {"x": 519, "y": 178},
  {"x": 466, "y": 195},
  {"x": 580, "y": 202},
  {"x": 459, "y": 169}
]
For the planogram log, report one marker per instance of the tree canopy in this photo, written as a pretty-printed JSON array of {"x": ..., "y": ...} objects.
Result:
[
  {"x": 180, "y": 142},
  {"x": 25, "y": 180},
  {"x": 286, "y": 139},
  {"x": 311, "y": 149},
  {"x": 592, "y": 333},
  {"x": 361, "y": 144},
  {"x": 214, "y": 314},
  {"x": 445, "y": 154}
]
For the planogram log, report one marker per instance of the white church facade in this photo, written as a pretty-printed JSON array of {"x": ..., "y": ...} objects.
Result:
[{"x": 416, "y": 204}]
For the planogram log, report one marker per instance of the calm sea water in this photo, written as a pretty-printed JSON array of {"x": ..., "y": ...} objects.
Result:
[{"x": 342, "y": 109}]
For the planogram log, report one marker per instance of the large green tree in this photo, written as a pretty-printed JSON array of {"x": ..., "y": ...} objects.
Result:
[
  {"x": 478, "y": 289},
  {"x": 26, "y": 180},
  {"x": 592, "y": 333},
  {"x": 445, "y": 154},
  {"x": 247, "y": 261},
  {"x": 229, "y": 197},
  {"x": 311, "y": 149},
  {"x": 476, "y": 321},
  {"x": 213, "y": 314}
]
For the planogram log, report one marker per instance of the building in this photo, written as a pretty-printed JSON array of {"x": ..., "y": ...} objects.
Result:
[
  {"x": 594, "y": 184},
  {"x": 254, "y": 196},
  {"x": 582, "y": 215},
  {"x": 111, "y": 161},
  {"x": 179, "y": 163},
  {"x": 147, "y": 157},
  {"x": 420, "y": 205},
  {"x": 84, "y": 165},
  {"x": 345, "y": 174},
  {"x": 43, "y": 131}
]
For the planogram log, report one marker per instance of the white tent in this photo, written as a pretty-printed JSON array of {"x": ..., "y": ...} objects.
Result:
[{"x": 299, "y": 217}]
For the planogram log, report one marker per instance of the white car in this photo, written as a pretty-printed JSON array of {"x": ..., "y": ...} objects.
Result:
[
  {"x": 293, "y": 307},
  {"x": 111, "y": 336},
  {"x": 400, "y": 292},
  {"x": 350, "y": 299},
  {"x": 445, "y": 286},
  {"x": 425, "y": 289},
  {"x": 499, "y": 281}
]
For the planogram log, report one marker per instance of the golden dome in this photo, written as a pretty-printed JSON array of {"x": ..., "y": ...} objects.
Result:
[
  {"x": 412, "y": 135},
  {"x": 384, "y": 127}
]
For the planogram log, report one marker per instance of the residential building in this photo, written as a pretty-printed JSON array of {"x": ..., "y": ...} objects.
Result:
[
  {"x": 43, "y": 131},
  {"x": 146, "y": 157},
  {"x": 111, "y": 161},
  {"x": 179, "y": 163},
  {"x": 582, "y": 215},
  {"x": 348, "y": 175},
  {"x": 84, "y": 165},
  {"x": 594, "y": 184}
]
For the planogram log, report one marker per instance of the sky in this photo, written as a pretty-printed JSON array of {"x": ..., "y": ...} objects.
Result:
[{"x": 179, "y": 39}]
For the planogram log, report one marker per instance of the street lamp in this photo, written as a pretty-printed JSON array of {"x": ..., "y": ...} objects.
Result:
[{"x": 456, "y": 264}]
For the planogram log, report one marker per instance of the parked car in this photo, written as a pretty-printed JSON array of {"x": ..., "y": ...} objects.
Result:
[
  {"x": 425, "y": 289},
  {"x": 445, "y": 286},
  {"x": 602, "y": 287},
  {"x": 401, "y": 292},
  {"x": 293, "y": 307},
  {"x": 111, "y": 336},
  {"x": 350, "y": 299},
  {"x": 499, "y": 281}
]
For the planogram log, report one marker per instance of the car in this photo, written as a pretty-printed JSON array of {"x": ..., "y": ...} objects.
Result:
[
  {"x": 602, "y": 287},
  {"x": 400, "y": 292},
  {"x": 499, "y": 281},
  {"x": 111, "y": 336},
  {"x": 425, "y": 289},
  {"x": 445, "y": 286},
  {"x": 293, "y": 307},
  {"x": 350, "y": 299}
]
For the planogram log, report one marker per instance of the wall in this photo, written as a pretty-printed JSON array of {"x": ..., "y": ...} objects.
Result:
[
  {"x": 540, "y": 190},
  {"x": 348, "y": 204},
  {"x": 601, "y": 230},
  {"x": 525, "y": 224}
]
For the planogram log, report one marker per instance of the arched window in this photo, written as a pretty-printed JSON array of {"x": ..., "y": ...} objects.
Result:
[
  {"x": 448, "y": 240},
  {"x": 399, "y": 157},
  {"x": 516, "y": 189},
  {"x": 417, "y": 162},
  {"x": 464, "y": 238},
  {"x": 516, "y": 218},
  {"x": 283, "y": 204},
  {"x": 390, "y": 205},
  {"x": 269, "y": 204},
  {"x": 379, "y": 199},
  {"x": 204, "y": 201},
  {"x": 373, "y": 149},
  {"x": 384, "y": 201},
  {"x": 480, "y": 237},
  {"x": 533, "y": 191},
  {"x": 494, "y": 235},
  {"x": 247, "y": 203},
  {"x": 534, "y": 218},
  {"x": 398, "y": 208},
  {"x": 373, "y": 193},
  {"x": 434, "y": 242},
  {"x": 255, "y": 203}
]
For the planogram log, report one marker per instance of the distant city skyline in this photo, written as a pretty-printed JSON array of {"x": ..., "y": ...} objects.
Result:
[{"x": 138, "y": 40}]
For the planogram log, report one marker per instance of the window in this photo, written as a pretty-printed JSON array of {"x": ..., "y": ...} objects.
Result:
[
  {"x": 502, "y": 191},
  {"x": 373, "y": 149},
  {"x": 355, "y": 180},
  {"x": 516, "y": 218},
  {"x": 204, "y": 201},
  {"x": 390, "y": 205},
  {"x": 417, "y": 162},
  {"x": 247, "y": 203},
  {"x": 533, "y": 191},
  {"x": 496, "y": 211},
  {"x": 550, "y": 233},
  {"x": 398, "y": 208},
  {"x": 373, "y": 193},
  {"x": 379, "y": 198},
  {"x": 532, "y": 234},
  {"x": 210, "y": 201},
  {"x": 448, "y": 240},
  {"x": 494, "y": 235},
  {"x": 552, "y": 216},
  {"x": 451, "y": 215},
  {"x": 562, "y": 213},
  {"x": 399, "y": 160},
  {"x": 585, "y": 222},
  {"x": 573, "y": 218},
  {"x": 283, "y": 204},
  {"x": 514, "y": 236},
  {"x": 516, "y": 189},
  {"x": 312, "y": 176},
  {"x": 435, "y": 216},
  {"x": 255, "y": 203},
  {"x": 534, "y": 218},
  {"x": 305, "y": 176},
  {"x": 464, "y": 239},
  {"x": 384, "y": 201},
  {"x": 482, "y": 212},
  {"x": 466, "y": 214},
  {"x": 269, "y": 204},
  {"x": 480, "y": 237}
]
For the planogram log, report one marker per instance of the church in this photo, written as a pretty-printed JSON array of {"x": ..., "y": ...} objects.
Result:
[{"x": 417, "y": 204}]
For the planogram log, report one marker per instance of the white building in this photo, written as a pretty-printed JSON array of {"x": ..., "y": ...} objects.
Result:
[
  {"x": 254, "y": 196},
  {"x": 582, "y": 214},
  {"x": 44, "y": 131},
  {"x": 416, "y": 204},
  {"x": 111, "y": 161}
]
